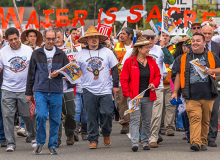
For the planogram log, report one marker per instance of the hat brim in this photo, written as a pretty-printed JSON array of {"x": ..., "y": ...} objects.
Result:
[
  {"x": 101, "y": 37},
  {"x": 39, "y": 36},
  {"x": 143, "y": 43},
  {"x": 183, "y": 39},
  {"x": 196, "y": 24}
]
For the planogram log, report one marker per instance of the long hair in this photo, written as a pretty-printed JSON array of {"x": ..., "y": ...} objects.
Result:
[
  {"x": 135, "y": 51},
  {"x": 179, "y": 50}
]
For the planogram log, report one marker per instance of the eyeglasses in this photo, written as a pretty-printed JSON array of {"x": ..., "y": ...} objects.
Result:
[
  {"x": 196, "y": 28},
  {"x": 49, "y": 39}
]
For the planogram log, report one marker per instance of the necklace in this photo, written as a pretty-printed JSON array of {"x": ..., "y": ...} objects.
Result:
[
  {"x": 94, "y": 66},
  {"x": 140, "y": 61}
]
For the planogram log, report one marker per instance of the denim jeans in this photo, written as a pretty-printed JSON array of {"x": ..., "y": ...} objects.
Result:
[
  {"x": 22, "y": 123},
  {"x": 52, "y": 103},
  {"x": 91, "y": 104},
  {"x": 179, "y": 122},
  {"x": 2, "y": 133},
  {"x": 186, "y": 124},
  {"x": 145, "y": 112},
  {"x": 79, "y": 108}
]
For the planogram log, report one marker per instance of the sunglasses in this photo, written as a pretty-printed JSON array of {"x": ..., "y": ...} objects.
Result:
[
  {"x": 148, "y": 38},
  {"x": 196, "y": 28}
]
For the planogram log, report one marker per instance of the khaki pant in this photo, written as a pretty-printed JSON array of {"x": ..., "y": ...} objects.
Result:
[
  {"x": 169, "y": 111},
  {"x": 156, "y": 116},
  {"x": 122, "y": 107},
  {"x": 199, "y": 113}
]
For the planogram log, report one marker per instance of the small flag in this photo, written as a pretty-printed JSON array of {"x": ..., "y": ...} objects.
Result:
[
  {"x": 72, "y": 72},
  {"x": 32, "y": 108},
  {"x": 168, "y": 25},
  {"x": 104, "y": 29},
  {"x": 133, "y": 104}
]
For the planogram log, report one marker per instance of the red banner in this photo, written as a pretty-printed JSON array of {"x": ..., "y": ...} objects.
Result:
[{"x": 104, "y": 29}]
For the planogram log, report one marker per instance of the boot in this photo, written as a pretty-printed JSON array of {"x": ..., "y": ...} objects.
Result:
[
  {"x": 84, "y": 131},
  {"x": 76, "y": 131},
  {"x": 125, "y": 128}
]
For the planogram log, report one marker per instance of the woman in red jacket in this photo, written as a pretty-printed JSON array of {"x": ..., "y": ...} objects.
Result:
[{"x": 140, "y": 72}]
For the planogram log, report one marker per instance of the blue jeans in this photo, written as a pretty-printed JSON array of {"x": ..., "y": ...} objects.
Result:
[
  {"x": 2, "y": 133},
  {"x": 179, "y": 122},
  {"x": 52, "y": 103},
  {"x": 91, "y": 104},
  {"x": 79, "y": 108},
  {"x": 22, "y": 123},
  {"x": 186, "y": 124}
]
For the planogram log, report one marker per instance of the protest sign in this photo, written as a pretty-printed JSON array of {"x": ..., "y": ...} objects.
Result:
[{"x": 104, "y": 29}]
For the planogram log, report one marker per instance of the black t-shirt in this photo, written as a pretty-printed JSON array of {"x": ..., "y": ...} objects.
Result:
[
  {"x": 199, "y": 88},
  {"x": 144, "y": 79}
]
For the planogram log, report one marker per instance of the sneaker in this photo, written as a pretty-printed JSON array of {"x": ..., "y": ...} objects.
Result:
[
  {"x": 33, "y": 143},
  {"x": 146, "y": 148},
  {"x": 38, "y": 149},
  {"x": 3, "y": 144},
  {"x": 107, "y": 141},
  {"x": 93, "y": 145},
  {"x": 21, "y": 132},
  {"x": 170, "y": 132},
  {"x": 203, "y": 148},
  {"x": 70, "y": 140},
  {"x": 53, "y": 151},
  {"x": 160, "y": 139},
  {"x": 10, "y": 149},
  {"x": 212, "y": 144}
]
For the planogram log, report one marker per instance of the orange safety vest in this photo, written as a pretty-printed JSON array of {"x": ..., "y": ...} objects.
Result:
[
  {"x": 211, "y": 60},
  {"x": 120, "y": 50},
  {"x": 172, "y": 50}
]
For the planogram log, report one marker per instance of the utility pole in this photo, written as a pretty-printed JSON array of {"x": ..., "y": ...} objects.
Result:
[
  {"x": 32, "y": 3},
  {"x": 94, "y": 12},
  {"x": 144, "y": 4}
]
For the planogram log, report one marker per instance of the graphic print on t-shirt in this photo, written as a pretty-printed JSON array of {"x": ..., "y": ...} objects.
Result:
[
  {"x": 18, "y": 64},
  {"x": 194, "y": 76},
  {"x": 49, "y": 64},
  {"x": 95, "y": 66}
]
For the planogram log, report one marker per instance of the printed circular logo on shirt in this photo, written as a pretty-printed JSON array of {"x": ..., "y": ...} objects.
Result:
[
  {"x": 18, "y": 64},
  {"x": 95, "y": 66}
]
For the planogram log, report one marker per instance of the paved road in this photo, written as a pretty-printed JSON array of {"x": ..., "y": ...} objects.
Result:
[{"x": 172, "y": 148}]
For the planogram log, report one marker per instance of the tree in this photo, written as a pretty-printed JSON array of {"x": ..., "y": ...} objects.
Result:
[{"x": 205, "y": 6}]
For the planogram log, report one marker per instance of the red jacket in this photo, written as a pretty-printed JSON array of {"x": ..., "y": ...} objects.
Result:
[{"x": 130, "y": 77}]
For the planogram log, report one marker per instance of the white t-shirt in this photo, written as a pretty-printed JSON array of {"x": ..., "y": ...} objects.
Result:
[
  {"x": 127, "y": 48},
  {"x": 95, "y": 66},
  {"x": 15, "y": 65},
  {"x": 49, "y": 54},
  {"x": 157, "y": 53}
]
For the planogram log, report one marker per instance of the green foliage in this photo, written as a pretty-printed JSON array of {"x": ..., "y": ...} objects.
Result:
[
  {"x": 21, "y": 3},
  {"x": 205, "y": 6}
]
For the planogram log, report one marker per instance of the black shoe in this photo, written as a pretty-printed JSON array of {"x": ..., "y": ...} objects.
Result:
[
  {"x": 195, "y": 147},
  {"x": 3, "y": 144},
  {"x": 53, "y": 151},
  {"x": 203, "y": 148},
  {"x": 28, "y": 140},
  {"x": 135, "y": 148},
  {"x": 160, "y": 139},
  {"x": 212, "y": 144},
  {"x": 146, "y": 148}
]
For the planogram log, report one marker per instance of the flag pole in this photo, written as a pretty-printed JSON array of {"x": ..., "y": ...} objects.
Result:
[
  {"x": 18, "y": 15},
  {"x": 162, "y": 26},
  {"x": 115, "y": 31},
  {"x": 94, "y": 12}
]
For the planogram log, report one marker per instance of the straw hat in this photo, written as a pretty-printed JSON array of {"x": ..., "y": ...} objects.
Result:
[
  {"x": 92, "y": 32},
  {"x": 141, "y": 41},
  {"x": 39, "y": 36}
]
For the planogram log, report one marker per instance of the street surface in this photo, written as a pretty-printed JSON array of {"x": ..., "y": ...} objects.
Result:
[{"x": 172, "y": 148}]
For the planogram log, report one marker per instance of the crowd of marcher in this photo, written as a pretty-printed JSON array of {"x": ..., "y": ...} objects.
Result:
[{"x": 114, "y": 71}]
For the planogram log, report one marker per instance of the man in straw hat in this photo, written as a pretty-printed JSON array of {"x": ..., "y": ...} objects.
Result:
[
  {"x": 33, "y": 36},
  {"x": 95, "y": 62}
]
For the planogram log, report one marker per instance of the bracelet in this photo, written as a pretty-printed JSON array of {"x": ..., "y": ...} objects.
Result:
[{"x": 215, "y": 26}]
